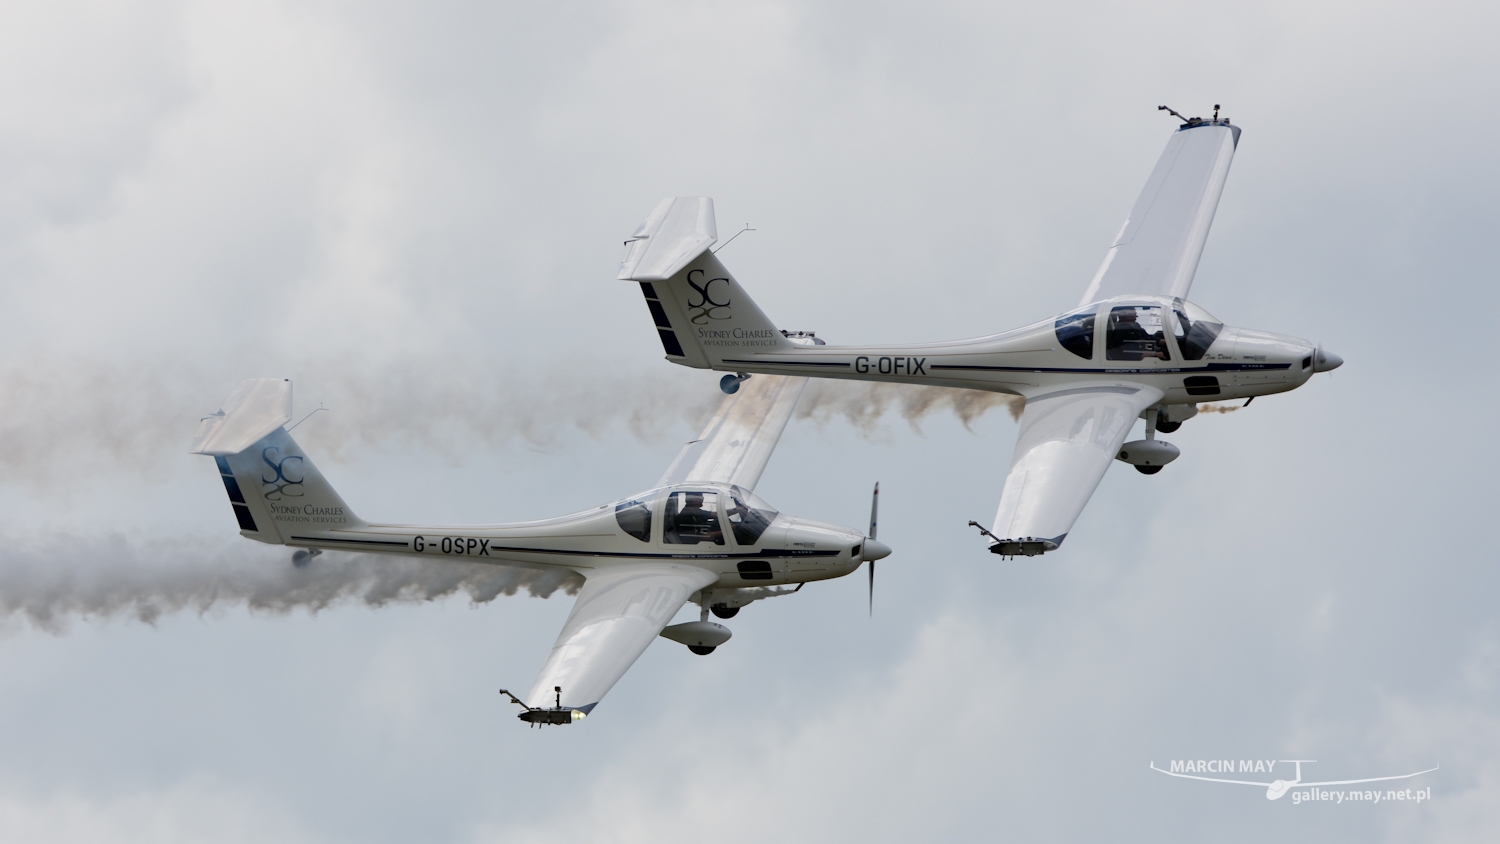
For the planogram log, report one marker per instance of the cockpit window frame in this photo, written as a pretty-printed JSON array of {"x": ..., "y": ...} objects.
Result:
[
  {"x": 762, "y": 510},
  {"x": 1073, "y": 318},
  {"x": 1181, "y": 309},
  {"x": 649, "y": 501}
]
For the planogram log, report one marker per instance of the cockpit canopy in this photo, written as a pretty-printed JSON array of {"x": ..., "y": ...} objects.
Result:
[
  {"x": 1135, "y": 331},
  {"x": 1194, "y": 328},
  {"x": 694, "y": 516}
]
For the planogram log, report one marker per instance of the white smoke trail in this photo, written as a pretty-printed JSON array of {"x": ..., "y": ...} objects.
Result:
[
  {"x": 60, "y": 417},
  {"x": 47, "y": 584},
  {"x": 864, "y": 404}
]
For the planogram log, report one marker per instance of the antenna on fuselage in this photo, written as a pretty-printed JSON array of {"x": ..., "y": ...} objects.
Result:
[{"x": 1173, "y": 112}]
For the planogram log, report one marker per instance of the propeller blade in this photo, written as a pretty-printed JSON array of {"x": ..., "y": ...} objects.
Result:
[{"x": 874, "y": 512}]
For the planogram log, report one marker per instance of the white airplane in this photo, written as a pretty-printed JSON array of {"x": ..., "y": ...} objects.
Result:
[
  {"x": 701, "y": 534},
  {"x": 1277, "y": 788},
  {"x": 1135, "y": 347}
]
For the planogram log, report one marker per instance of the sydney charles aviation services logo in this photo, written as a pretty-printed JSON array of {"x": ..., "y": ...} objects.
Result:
[
  {"x": 286, "y": 476},
  {"x": 1301, "y": 792},
  {"x": 707, "y": 307}
]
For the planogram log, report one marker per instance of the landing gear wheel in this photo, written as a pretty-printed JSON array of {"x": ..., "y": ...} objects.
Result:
[
  {"x": 1164, "y": 427},
  {"x": 724, "y": 611},
  {"x": 1149, "y": 470},
  {"x": 700, "y": 650}
]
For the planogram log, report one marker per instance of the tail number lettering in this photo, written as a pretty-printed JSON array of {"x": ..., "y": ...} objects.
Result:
[
  {"x": 467, "y": 546},
  {"x": 891, "y": 365}
]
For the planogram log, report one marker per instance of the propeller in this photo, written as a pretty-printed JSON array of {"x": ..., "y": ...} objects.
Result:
[
  {"x": 870, "y": 537},
  {"x": 871, "y": 549}
]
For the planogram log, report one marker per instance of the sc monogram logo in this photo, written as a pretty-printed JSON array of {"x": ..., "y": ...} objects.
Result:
[
  {"x": 282, "y": 485},
  {"x": 707, "y": 308}
]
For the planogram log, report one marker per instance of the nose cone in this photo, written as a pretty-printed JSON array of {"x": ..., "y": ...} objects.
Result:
[
  {"x": 875, "y": 550},
  {"x": 1327, "y": 361}
]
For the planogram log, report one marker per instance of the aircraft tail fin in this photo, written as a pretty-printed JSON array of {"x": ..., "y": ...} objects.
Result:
[
  {"x": 275, "y": 491},
  {"x": 703, "y": 317}
]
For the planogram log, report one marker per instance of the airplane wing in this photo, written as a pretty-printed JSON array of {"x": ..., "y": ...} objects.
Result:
[
  {"x": 1068, "y": 438},
  {"x": 619, "y": 612},
  {"x": 737, "y": 442},
  {"x": 1158, "y": 248}
]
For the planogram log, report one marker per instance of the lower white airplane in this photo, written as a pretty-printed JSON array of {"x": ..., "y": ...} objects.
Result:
[
  {"x": 701, "y": 534},
  {"x": 1135, "y": 347}
]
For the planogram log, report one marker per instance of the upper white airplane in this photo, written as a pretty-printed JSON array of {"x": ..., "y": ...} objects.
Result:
[
  {"x": 1135, "y": 347},
  {"x": 701, "y": 534}
]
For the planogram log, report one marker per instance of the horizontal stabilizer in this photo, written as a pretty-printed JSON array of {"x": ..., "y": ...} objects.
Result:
[
  {"x": 679, "y": 230},
  {"x": 256, "y": 408}
]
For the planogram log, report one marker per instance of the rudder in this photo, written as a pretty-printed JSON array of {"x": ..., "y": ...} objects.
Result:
[
  {"x": 702, "y": 315},
  {"x": 276, "y": 492}
]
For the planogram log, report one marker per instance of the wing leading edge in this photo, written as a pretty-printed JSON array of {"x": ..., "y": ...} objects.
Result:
[
  {"x": 737, "y": 442},
  {"x": 1068, "y": 438},
  {"x": 1157, "y": 250}
]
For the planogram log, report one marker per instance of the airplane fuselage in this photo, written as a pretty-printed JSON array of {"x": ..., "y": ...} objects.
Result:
[
  {"x": 1217, "y": 363},
  {"x": 783, "y": 549}
]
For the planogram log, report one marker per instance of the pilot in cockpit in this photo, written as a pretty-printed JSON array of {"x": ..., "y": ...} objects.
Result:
[
  {"x": 1128, "y": 338},
  {"x": 695, "y": 524}
]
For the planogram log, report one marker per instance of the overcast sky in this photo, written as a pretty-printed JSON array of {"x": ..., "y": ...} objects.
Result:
[{"x": 415, "y": 211}]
